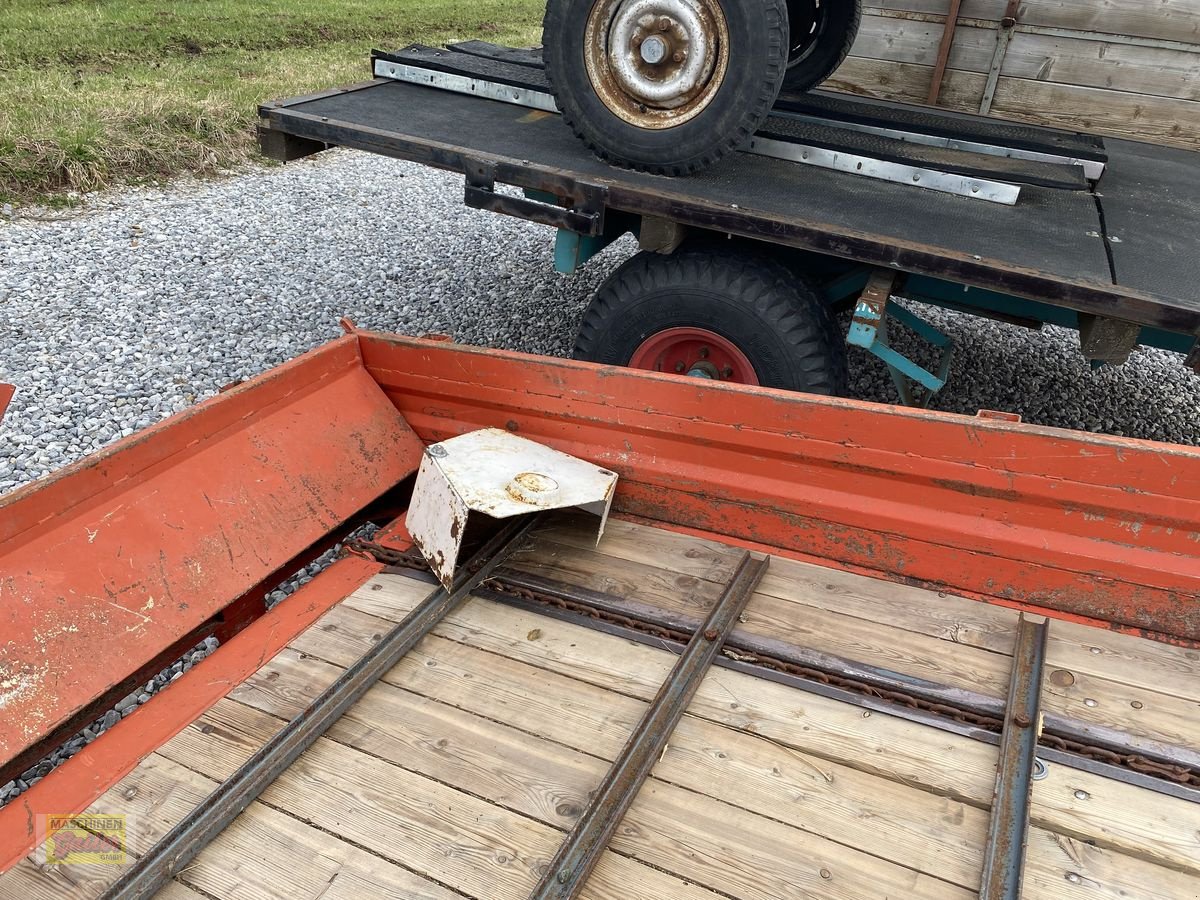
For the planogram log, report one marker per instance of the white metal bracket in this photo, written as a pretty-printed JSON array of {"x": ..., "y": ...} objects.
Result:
[{"x": 492, "y": 473}]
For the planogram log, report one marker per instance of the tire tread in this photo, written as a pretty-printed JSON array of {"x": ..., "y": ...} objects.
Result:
[
  {"x": 555, "y": 20},
  {"x": 757, "y": 277}
]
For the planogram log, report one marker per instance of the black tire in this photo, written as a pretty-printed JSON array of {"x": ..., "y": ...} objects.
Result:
[
  {"x": 744, "y": 294},
  {"x": 815, "y": 53},
  {"x": 736, "y": 107}
]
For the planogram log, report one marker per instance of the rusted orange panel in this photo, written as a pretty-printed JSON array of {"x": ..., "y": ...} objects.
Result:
[
  {"x": 1089, "y": 525},
  {"x": 112, "y": 561},
  {"x": 75, "y": 785},
  {"x": 6, "y": 395}
]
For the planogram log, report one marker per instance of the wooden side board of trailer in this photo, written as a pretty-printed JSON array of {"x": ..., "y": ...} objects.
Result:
[{"x": 1125, "y": 68}]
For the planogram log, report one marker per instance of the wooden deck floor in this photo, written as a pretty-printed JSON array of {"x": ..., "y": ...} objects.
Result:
[{"x": 459, "y": 774}]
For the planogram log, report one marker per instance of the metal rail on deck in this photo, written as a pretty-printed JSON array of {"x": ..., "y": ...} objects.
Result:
[
  {"x": 1086, "y": 746},
  {"x": 792, "y": 151},
  {"x": 183, "y": 842},
  {"x": 568, "y": 871},
  {"x": 1004, "y": 858}
]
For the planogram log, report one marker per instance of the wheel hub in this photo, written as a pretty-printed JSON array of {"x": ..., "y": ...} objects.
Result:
[
  {"x": 697, "y": 353},
  {"x": 807, "y": 19},
  {"x": 656, "y": 63}
]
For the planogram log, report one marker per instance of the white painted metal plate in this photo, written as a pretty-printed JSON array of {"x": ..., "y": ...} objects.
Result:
[
  {"x": 497, "y": 474},
  {"x": 464, "y": 84}
]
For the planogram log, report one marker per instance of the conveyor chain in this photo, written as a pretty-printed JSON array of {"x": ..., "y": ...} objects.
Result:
[{"x": 1182, "y": 775}]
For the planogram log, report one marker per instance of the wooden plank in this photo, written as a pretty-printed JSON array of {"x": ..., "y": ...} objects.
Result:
[
  {"x": 267, "y": 853},
  {"x": 264, "y": 853},
  {"x": 1076, "y": 694},
  {"x": 458, "y": 840},
  {"x": 907, "y": 83},
  {"x": 1053, "y": 58},
  {"x": 176, "y": 891},
  {"x": 889, "y": 819},
  {"x": 1091, "y": 63},
  {"x": 688, "y": 555},
  {"x": 1106, "y": 654},
  {"x": 1109, "y": 112},
  {"x": 892, "y": 39},
  {"x": 673, "y": 829},
  {"x": 1140, "y": 823},
  {"x": 1139, "y": 116},
  {"x": 822, "y": 798},
  {"x": 154, "y": 797},
  {"x": 1174, "y": 20}
]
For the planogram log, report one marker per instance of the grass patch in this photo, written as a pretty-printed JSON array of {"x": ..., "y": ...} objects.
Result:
[{"x": 128, "y": 91}]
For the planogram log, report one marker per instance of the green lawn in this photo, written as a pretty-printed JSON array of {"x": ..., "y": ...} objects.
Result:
[{"x": 107, "y": 91}]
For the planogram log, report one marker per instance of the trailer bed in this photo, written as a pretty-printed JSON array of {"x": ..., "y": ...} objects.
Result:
[
  {"x": 458, "y": 774},
  {"x": 1122, "y": 251},
  {"x": 846, "y": 743}
]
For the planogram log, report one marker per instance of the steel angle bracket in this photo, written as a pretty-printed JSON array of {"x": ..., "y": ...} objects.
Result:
[
  {"x": 869, "y": 330},
  {"x": 492, "y": 473}
]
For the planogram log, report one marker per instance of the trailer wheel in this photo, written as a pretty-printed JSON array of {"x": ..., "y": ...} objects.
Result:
[
  {"x": 820, "y": 35},
  {"x": 665, "y": 86},
  {"x": 719, "y": 311}
]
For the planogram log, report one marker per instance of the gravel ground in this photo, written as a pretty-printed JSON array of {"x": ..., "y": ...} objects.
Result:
[{"x": 145, "y": 301}]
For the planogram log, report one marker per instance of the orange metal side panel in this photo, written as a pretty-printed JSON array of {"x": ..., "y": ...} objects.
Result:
[
  {"x": 1102, "y": 527},
  {"x": 108, "y": 564},
  {"x": 75, "y": 785},
  {"x": 6, "y": 395}
]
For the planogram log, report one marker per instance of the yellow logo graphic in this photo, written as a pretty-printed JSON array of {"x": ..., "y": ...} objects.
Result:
[{"x": 73, "y": 840}]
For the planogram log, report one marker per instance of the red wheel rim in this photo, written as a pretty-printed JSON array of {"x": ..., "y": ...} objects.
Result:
[{"x": 696, "y": 352}]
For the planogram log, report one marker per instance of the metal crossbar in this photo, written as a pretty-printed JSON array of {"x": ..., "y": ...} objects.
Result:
[
  {"x": 568, "y": 871},
  {"x": 1004, "y": 857}
]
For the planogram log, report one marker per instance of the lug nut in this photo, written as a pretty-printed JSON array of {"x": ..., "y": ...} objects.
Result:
[
  {"x": 679, "y": 367},
  {"x": 727, "y": 372},
  {"x": 679, "y": 56},
  {"x": 665, "y": 23},
  {"x": 654, "y": 50},
  {"x": 704, "y": 353}
]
